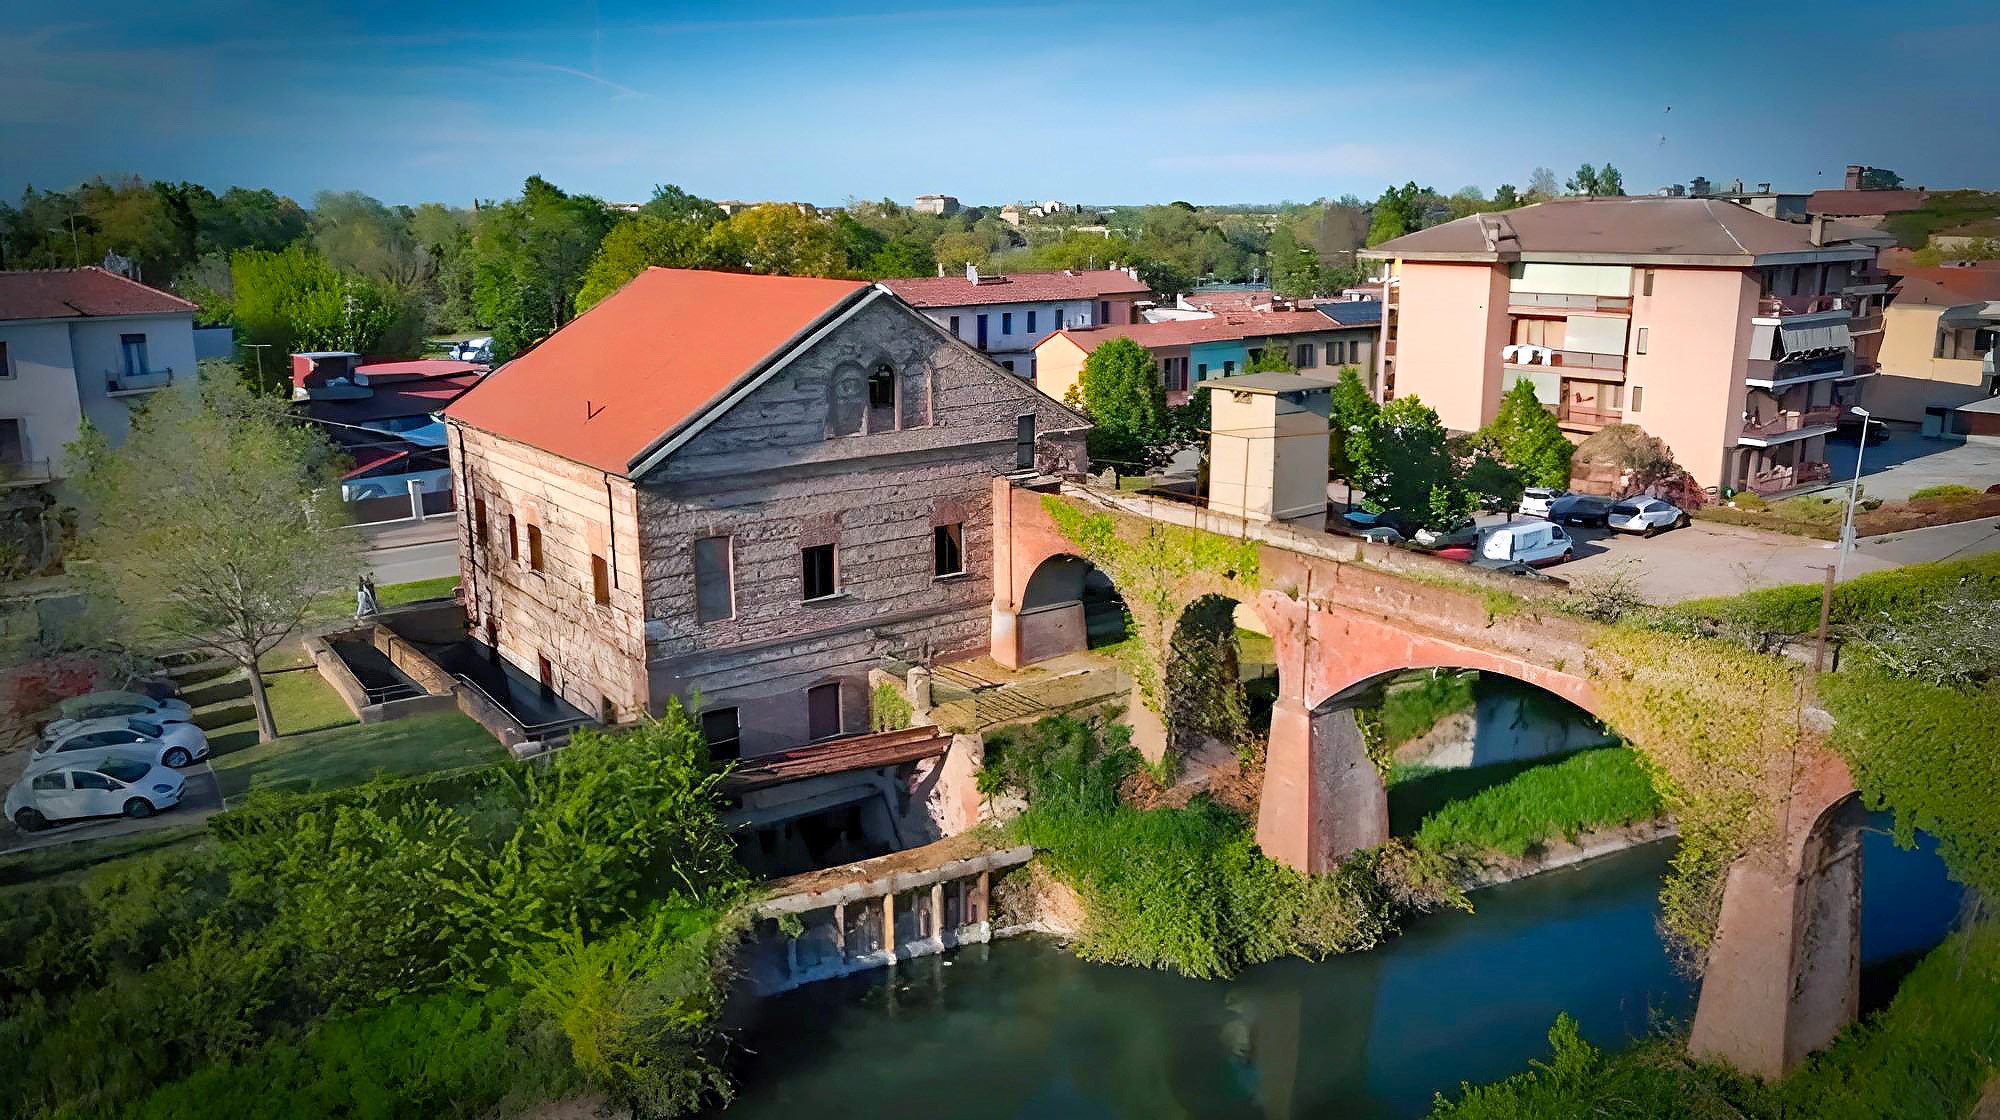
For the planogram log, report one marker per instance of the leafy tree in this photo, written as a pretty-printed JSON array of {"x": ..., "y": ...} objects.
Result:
[
  {"x": 904, "y": 256},
  {"x": 1400, "y": 210},
  {"x": 957, "y": 249},
  {"x": 1406, "y": 465},
  {"x": 216, "y": 522},
  {"x": 528, "y": 259},
  {"x": 1541, "y": 185},
  {"x": 357, "y": 234},
  {"x": 1506, "y": 198},
  {"x": 241, "y": 218},
  {"x": 1603, "y": 182},
  {"x": 778, "y": 238},
  {"x": 1609, "y": 181},
  {"x": 1271, "y": 358},
  {"x": 1127, "y": 405},
  {"x": 859, "y": 242},
  {"x": 676, "y": 205},
  {"x": 445, "y": 233},
  {"x": 636, "y": 244},
  {"x": 1524, "y": 435},
  {"x": 1295, "y": 269},
  {"x": 295, "y": 300},
  {"x": 1352, "y": 423}
]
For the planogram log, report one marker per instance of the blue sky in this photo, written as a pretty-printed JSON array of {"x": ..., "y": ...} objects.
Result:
[{"x": 1097, "y": 103}]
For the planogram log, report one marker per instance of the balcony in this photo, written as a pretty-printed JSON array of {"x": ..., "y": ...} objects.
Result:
[
  {"x": 128, "y": 383},
  {"x": 1769, "y": 373},
  {"x": 1588, "y": 417},
  {"x": 1870, "y": 323},
  {"x": 1785, "y": 307},
  {"x": 1773, "y": 429},
  {"x": 1564, "y": 301},
  {"x": 1577, "y": 363},
  {"x": 1786, "y": 478},
  {"x": 1870, "y": 281}
]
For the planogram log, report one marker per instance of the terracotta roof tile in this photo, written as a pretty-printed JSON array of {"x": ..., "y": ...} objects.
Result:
[
  {"x": 1642, "y": 227},
  {"x": 81, "y": 293},
  {"x": 653, "y": 355},
  {"x": 1946, "y": 286},
  {"x": 1019, "y": 287}
]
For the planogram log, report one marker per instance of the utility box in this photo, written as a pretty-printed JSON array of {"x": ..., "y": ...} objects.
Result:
[{"x": 1267, "y": 447}]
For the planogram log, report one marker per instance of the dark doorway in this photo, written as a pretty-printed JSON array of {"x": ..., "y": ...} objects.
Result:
[{"x": 822, "y": 711}]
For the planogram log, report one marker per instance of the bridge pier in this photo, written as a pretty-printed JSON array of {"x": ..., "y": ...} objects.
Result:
[
  {"x": 1322, "y": 797},
  {"x": 1784, "y": 974}
]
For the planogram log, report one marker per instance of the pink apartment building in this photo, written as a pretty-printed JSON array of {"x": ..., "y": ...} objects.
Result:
[{"x": 1737, "y": 338}]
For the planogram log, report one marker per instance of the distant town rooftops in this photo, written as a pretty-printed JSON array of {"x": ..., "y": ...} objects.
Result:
[
  {"x": 1949, "y": 285},
  {"x": 1020, "y": 287},
  {"x": 1627, "y": 229},
  {"x": 81, "y": 293},
  {"x": 1232, "y": 326}
]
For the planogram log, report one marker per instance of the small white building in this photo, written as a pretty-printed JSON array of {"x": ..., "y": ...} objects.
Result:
[
  {"x": 1268, "y": 445},
  {"x": 1007, "y": 316},
  {"x": 936, "y": 204},
  {"x": 79, "y": 344}
]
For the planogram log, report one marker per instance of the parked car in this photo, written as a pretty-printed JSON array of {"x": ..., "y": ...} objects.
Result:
[
  {"x": 172, "y": 744},
  {"x": 1849, "y": 426},
  {"x": 1460, "y": 535},
  {"x": 1645, "y": 515},
  {"x": 1580, "y": 509},
  {"x": 1535, "y": 500},
  {"x": 104, "y": 705},
  {"x": 101, "y": 785},
  {"x": 1361, "y": 520},
  {"x": 1536, "y": 543}
]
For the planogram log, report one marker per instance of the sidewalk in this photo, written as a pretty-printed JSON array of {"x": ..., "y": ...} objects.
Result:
[{"x": 401, "y": 534}]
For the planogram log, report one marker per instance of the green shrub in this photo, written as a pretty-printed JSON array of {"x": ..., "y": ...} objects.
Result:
[
  {"x": 1593, "y": 789},
  {"x": 1945, "y": 490},
  {"x": 1750, "y": 500},
  {"x": 1794, "y": 608},
  {"x": 890, "y": 710}
]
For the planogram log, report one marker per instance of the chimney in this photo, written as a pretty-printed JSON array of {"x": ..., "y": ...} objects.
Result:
[
  {"x": 971, "y": 273},
  {"x": 1818, "y": 230},
  {"x": 1854, "y": 171}
]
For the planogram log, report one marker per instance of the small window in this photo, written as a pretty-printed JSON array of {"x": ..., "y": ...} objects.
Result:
[
  {"x": 954, "y": 326},
  {"x": 1006, "y": 322},
  {"x": 1639, "y": 347},
  {"x": 134, "y": 348},
  {"x": 479, "y": 522},
  {"x": 600, "y": 580},
  {"x": 1229, "y": 367},
  {"x": 535, "y": 547},
  {"x": 948, "y": 550},
  {"x": 819, "y": 572},
  {"x": 513, "y": 538},
  {"x": 1103, "y": 311},
  {"x": 1024, "y": 442},
  {"x": 1058, "y": 318},
  {"x": 90, "y": 779},
  {"x": 714, "y": 592},
  {"x": 723, "y": 731},
  {"x": 1031, "y": 322},
  {"x": 51, "y": 781},
  {"x": 882, "y": 398},
  {"x": 823, "y": 711},
  {"x": 1646, "y": 282},
  {"x": 1201, "y": 371},
  {"x": 1638, "y": 396}
]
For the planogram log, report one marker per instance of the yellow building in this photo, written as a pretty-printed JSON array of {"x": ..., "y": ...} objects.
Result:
[
  {"x": 1938, "y": 336},
  {"x": 1268, "y": 445}
]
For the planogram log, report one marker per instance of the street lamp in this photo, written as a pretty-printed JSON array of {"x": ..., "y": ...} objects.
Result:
[{"x": 1853, "y": 494}]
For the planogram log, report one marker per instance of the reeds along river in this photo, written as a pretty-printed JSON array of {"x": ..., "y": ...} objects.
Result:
[{"x": 1021, "y": 1028}]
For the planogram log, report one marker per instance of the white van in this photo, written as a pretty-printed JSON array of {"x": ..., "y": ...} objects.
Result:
[{"x": 1525, "y": 542}]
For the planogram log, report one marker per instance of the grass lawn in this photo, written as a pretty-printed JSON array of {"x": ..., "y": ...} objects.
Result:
[
  {"x": 345, "y": 756},
  {"x": 301, "y": 702},
  {"x": 389, "y": 595},
  {"x": 1591, "y": 789}
]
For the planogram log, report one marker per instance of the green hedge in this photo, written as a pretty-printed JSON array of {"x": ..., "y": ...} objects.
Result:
[{"x": 1794, "y": 608}]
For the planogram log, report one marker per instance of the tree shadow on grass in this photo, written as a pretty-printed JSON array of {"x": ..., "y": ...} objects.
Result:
[
  {"x": 217, "y": 693},
  {"x": 1415, "y": 798}
]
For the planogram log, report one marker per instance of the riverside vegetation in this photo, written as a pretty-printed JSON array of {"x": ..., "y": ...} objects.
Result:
[{"x": 452, "y": 945}]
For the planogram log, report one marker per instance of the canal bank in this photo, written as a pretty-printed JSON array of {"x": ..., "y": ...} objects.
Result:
[{"x": 1022, "y": 1028}]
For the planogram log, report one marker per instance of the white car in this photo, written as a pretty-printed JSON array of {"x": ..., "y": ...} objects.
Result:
[
  {"x": 1535, "y": 500},
  {"x": 472, "y": 350},
  {"x": 104, "y": 705},
  {"x": 1645, "y": 515},
  {"x": 101, "y": 785},
  {"x": 172, "y": 744},
  {"x": 1534, "y": 543}
]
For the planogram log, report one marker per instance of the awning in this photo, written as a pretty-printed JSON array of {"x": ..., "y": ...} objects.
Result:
[
  {"x": 1971, "y": 315},
  {"x": 1814, "y": 338}
]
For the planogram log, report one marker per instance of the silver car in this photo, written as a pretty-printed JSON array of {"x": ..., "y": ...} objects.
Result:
[
  {"x": 1535, "y": 500},
  {"x": 104, "y": 784},
  {"x": 1645, "y": 516},
  {"x": 105, "y": 705},
  {"x": 172, "y": 744}
]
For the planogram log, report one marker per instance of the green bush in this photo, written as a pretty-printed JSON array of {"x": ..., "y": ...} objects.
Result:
[
  {"x": 890, "y": 710},
  {"x": 1593, "y": 789},
  {"x": 1794, "y": 608},
  {"x": 1945, "y": 490},
  {"x": 1750, "y": 500},
  {"x": 1760, "y": 518}
]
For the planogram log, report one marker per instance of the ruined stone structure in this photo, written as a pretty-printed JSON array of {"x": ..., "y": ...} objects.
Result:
[
  {"x": 826, "y": 451},
  {"x": 1345, "y": 615}
]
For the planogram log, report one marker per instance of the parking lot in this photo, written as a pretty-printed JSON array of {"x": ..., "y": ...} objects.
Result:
[
  {"x": 1907, "y": 462},
  {"x": 202, "y": 799}
]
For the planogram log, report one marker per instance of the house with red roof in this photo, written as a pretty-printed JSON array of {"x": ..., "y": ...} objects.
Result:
[
  {"x": 750, "y": 490},
  {"x": 385, "y": 415},
  {"x": 82, "y": 344},
  {"x": 1190, "y": 351},
  {"x": 1940, "y": 333},
  {"x": 1007, "y": 316}
]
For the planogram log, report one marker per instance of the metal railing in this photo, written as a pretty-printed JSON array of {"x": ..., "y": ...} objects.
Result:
[
  {"x": 1563, "y": 359},
  {"x": 1860, "y": 324},
  {"x": 1785, "y": 478},
  {"x": 1567, "y": 301},
  {"x": 534, "y": 732},
  {"x": 128, "y": 382},
  {"x": 1781, "y": 306},
  {"x": 1822, "y": 416}
]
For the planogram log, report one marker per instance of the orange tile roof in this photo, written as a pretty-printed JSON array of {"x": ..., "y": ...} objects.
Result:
[
  {"x": 79, "y": 293},
  {"x": 652, "y": 356},
  {"x": 1948, "y": 285}
]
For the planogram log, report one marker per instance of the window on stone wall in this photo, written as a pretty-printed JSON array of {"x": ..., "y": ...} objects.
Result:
[
  {"x": 714, "y": 593},
  {"x": 513, "y": 538},
  {"x": 818, "y": 567},
  {"x": 479, "y": 522},
  {"x": 882, "y": 398},
  {"x": 723, "y": 731},
  {"x": 535, "y": 547},
  {"x": 600, "y": 580},
  {"x": 823, "y": 711},
  {"x": 848, "y": 409},
  {"x": 948, "y": 550}
]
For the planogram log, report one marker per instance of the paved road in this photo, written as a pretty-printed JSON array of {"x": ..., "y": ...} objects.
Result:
[
  {"x": 410, "y": 551},
  {"x": 1907, "y": 462},
  {"x": 202, "y": 800}
]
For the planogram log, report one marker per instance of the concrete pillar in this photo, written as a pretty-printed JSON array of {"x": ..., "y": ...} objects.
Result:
[
  {"x": 976, "y": 909},
  {"x": 1149, "y": 729},
  {"x": 889, "y": 924},
  {"x": 1323, "y": 797},
  {"x": 917, "y": 685},
  {"x": 1005, "y": 647},
  {"x": 840, "y": 931},
  {"x": 937, "y": 910},
  {"x": 1784, "y": 974}
]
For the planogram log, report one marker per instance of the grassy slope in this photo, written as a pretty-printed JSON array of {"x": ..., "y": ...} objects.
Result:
[
  {"x": 1598, "y": 788},
  {"x": 349, "y": 755}
]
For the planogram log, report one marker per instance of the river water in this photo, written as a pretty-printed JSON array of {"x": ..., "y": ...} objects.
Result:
[{"x": 1022, "y": 1029}]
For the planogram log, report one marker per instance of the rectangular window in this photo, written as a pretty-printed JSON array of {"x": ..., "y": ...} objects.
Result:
[
  {"x": 600, "y": 580},
  {"x": 714, "y": 590},
  {"x": 1639, "y": 346},
  {"x": 1031, "y": 322},
  {"x": 133, "y": 346},
  {"x": 1058, "y": 313},
  {"x": 723, "y": 731},
  {"x": 1638, "y": 396},
  {"x": 948, "y": 549},
  {"x": 1103, "y": 311},
  {"x": 981, "y": 321},
  {"x": 535, "y": 547},
  {"x": 6, "y": 363},
  {"x": 822, "y": 711},
  {"x": 1646, "y": 282},
  {"x": 513, "y": 538},
  {"x": 954, "y": 326},
  {"x": 1024, "y": 442},
  {"x": 1201, "y": 372},
  {"x": 1307, "y": 356},
  {"x": 479, "y": 522},
  {"x": 818, "y": 571},
  {"x": 1229, "y": 367},
  {"x": 1006, "y": 322}
]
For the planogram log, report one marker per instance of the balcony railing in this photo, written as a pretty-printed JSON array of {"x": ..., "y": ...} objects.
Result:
[
  {"x": 119, "y": 383},
  {"x": 1770, "y": 307},
  {"x": 1531, "y": 357},
  {"x": 1586, "y": 416},
  {"x": 1785, "y": 478},
  {"x": 1867, "y": 278},
  {"x": 1565, "y": 301},
  {"x": 1779, "y": 374},
  {"x": 1824, "y": 416},
  {"x": 1864, "y": 324}
]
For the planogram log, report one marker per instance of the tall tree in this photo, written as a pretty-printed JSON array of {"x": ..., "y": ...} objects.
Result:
[
  {"x": 296, "y": 300},
  {"x": 1295, "y": 269},
  {"x": 636, "y": 244},
  {"x": 1352, "y": 423},
  {"x": 1541, "y": 185},
  {"x": 676, "y": 205},
  {"x": 358, "y": 234},
  {"x": 528, "y": 259},
  {"x": 216, "y": 522},
  {"x": 1127, "y": 404},
  {"x": 778, "y": 238},
  {"x": 1524, "y": 435},
  {"x": 1406, "y": 465}
]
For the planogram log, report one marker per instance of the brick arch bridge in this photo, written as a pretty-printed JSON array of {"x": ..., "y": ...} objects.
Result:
[{"x": 1783, "y": 974}]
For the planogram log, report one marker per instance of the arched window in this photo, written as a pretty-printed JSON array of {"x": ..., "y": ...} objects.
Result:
[
  {"x": 845, "y": 412},
  {"x": 882, "y": 398}
]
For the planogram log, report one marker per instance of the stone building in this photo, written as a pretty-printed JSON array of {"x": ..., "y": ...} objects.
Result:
[{"x": 752, "y": 489}]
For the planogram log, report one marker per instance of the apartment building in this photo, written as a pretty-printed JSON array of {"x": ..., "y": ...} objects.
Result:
[
  {"x": 1940, "y": 333},
  {"x": 1007, "y": 316},
  {"x": 81, "y": 344},
  {"x": 1188, "y": 352},
  {"x": 1735, "y": 337},
  {"x": 751, "y": 489}
]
